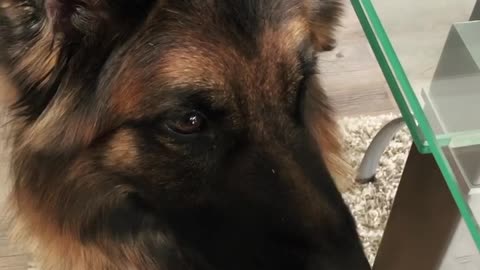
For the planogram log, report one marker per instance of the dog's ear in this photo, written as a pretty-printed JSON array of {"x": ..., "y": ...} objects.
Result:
[
  {"x": 94, "y": 19},
  {"x": 40, "y": 32},
  {"x": 323, "y": 17},
  {"x": 54, "y": 52}
]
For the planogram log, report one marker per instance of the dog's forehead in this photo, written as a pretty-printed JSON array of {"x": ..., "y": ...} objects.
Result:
[
  {"x": 249, "y": 56},
  {"x": 241, "y": 24},
  {"x": 217, "y": 49}
]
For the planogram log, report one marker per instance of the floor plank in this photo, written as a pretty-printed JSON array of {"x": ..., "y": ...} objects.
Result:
[{"x": 351, "y": 74}]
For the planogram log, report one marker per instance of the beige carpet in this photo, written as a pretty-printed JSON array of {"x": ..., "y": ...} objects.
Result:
[{"x": 371, "y": 203}]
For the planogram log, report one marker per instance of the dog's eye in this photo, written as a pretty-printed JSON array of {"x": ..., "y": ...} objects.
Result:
[{"x": 190, "y": 123}]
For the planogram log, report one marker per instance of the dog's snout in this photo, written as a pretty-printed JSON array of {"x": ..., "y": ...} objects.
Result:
[
  {"x": 302, "y": 209},
  {"x": 322, "y": 212}
]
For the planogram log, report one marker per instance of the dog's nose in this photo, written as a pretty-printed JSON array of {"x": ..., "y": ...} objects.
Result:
[
  {"x": 332, "y": 225},
  {"x": 294, "y": 204},
  {"x": 321, "y": 213}
]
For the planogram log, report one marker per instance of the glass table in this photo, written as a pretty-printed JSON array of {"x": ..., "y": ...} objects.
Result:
[{"x": 429, "y": 52}]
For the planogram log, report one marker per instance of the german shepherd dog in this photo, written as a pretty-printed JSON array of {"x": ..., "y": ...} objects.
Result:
[{"x": 175, "y": 135}]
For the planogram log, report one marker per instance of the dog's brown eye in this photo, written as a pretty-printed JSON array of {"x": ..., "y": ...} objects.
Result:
[{"x": 190, "y": 123}]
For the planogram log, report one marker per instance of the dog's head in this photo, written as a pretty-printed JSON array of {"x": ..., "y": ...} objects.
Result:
[{"x": 200, "y": 108}]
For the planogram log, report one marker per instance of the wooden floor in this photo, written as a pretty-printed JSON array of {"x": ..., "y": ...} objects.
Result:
[{"x": 350, "y": 75}]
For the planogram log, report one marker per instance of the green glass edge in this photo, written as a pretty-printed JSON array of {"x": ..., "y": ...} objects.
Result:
[
  {"x": 459, "y": 138},
  {"x": 374, "y": 30}
]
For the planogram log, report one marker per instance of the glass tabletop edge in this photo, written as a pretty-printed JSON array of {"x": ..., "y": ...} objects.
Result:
[{"x": 397, "y": 80}]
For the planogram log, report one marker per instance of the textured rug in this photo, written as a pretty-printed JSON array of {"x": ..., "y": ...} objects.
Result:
[{"x": 370, "y": 203}]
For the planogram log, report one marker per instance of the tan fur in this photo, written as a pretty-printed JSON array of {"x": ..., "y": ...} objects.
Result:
[
  {"x": 321, "y": 29},
  {"x": 325, "y": 130},
  {"x": 54, "y": 249},
  {"x": 127, "y": 96},
  {"x": 57, "y": 248},
  {"x": 38, "y": 61},
  {"x": 193, "y": 66},
  {"x": 321, "y": 124},
  {"x": 8, "y": 93},
  {"x": 286, "y": 38},
  {"x": 59, "y": 127},
  {"x": 122, "y": 151},
  {"x": 329, "y": 142},
  {"x": 322, "y": 36},
  {"x": 41, "y": 132}
]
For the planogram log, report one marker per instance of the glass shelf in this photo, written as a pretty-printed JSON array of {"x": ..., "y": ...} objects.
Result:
[{"x": 429, "y": 52}]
